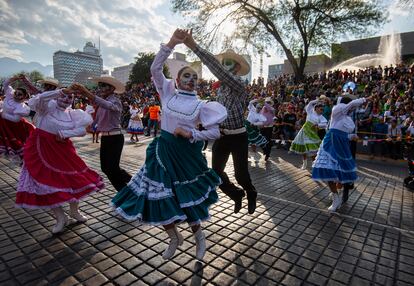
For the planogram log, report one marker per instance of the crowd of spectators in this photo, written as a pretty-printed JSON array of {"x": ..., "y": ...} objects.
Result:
[{"x": 383, "y": 126}]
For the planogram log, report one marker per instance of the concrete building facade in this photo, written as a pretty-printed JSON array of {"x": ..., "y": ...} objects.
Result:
[
  {"x": 346, "y": 50},
  {"x": 350, "y": 49},
  {"x": 122, "y": 73},
  {"x": 274, "y": 71}
]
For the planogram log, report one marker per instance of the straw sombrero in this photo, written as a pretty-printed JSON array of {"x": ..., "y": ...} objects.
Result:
[
  {"x": 230, "y": 54},
  {"x": 119, "y": 87},
  {"x": 50, "y": 80}
]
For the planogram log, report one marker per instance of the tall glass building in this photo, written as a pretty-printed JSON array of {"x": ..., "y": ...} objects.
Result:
[{"x": 78, "y": 66}]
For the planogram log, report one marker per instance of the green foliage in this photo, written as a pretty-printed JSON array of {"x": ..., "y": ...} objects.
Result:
[
  {"x": 140, "y": 72},
  {"x": 33, "y": 76},
  {"x": 296, "y": 28}
]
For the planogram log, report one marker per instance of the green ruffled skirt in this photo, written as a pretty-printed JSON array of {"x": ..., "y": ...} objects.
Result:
[
  {"x": 307, "y": 140},
  {"x": 174, "y": 185},
  {"x": 254, "y": 136}
]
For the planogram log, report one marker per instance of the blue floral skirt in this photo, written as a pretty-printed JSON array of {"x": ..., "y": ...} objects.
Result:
[
  {"x": 334, "y": 161},
  {"x": 174, "y": 185}
]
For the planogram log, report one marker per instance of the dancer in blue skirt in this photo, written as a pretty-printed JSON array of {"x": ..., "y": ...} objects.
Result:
[
  {"x": 175, "y": 185},
  {"x": 334, "y": 162}
]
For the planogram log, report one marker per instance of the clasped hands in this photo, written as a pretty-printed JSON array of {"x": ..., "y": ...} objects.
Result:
[
  {"x": 183, "y": 133},
  {"x": 181, "y": 36},
  {"x": 77, "y": 88}
]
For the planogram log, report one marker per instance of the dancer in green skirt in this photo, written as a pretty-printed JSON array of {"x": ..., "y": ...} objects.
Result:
[
  {"x": 175, "y": 185},
  {"x": 307, "y": 140},
  {"x": 253, "y": 121}
]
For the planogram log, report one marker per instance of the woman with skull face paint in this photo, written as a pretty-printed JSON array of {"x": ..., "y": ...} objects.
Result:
[
  {"x": 175, "y": 185},
  {"x": 14, "y": 129},
  {"x": 52, "y": 173}
]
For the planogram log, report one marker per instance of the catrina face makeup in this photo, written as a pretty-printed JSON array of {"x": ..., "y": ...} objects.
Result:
[
  {"x": 19, "y": 95},
  {"x": 231, "y": 65},
  {"x": 64, "y": 100},
  {"x": 187, "y": 79}
]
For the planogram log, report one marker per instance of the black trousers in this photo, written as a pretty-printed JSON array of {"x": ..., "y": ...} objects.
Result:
[
  {"x": 237, "y": 146},
  {"x": 267, "y": 132},
  {"x": 110, "y": 153},
  {"x": 349, "y": 186}
]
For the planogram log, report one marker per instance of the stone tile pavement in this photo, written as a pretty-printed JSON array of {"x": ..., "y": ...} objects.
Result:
[{"x": 290, "y": 240}]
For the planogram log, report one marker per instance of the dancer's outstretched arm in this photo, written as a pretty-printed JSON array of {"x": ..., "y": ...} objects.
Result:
[
  {"x": 163, "y": 85},
  {"x": 213, "y": 64}
]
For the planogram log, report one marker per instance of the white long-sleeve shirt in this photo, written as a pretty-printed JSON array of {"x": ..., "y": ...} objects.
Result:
[
  {"x": 184, "y": 109},
  {"x": 254, "y": 117},
  {"x": 340, "y": 119},
  {"x": 313, "y": 117},
  {"x": 53, "y": 119},
  {"x": 13, "y": 110}
]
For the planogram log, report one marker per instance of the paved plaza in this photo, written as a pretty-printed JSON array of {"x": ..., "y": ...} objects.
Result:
[{"x": 291, "y": 239}]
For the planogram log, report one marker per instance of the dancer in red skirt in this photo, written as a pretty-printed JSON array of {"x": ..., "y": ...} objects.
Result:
[
  {"x": 52, "y": 173},
  {"x": 14, "y": 129}
]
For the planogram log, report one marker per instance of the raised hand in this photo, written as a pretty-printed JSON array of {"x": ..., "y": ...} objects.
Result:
[
  {"x": 177, "y": 37},
  {"x": 189, "y": 40},
  {"x": 68, "y": 90}
]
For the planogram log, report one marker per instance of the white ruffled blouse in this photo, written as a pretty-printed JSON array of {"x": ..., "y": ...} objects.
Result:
[
  {"x": 313, "y": 117},
  {"x": 65, "y": 122},
  {"x": 254, "y": 117},
  {"x": 13, "y": 110},
  {"x": 340, "y": 119},
  {"x": 184, "y": 109}
]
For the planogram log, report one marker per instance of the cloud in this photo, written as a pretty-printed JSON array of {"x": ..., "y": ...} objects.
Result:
[
  {"x": 125, "y": 27},
  {"x": 6, "y": 51}
]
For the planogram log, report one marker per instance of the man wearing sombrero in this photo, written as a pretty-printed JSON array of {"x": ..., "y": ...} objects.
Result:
[
  {"x": 227, "y": 67},
  {"x": 108, "y": 120},
  {"x": 49, "y": 83}
]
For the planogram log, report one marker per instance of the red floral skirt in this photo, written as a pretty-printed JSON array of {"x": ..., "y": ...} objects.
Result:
[
  {"x": 53, "y": 174},
  {"x": 13, "y": 136}
]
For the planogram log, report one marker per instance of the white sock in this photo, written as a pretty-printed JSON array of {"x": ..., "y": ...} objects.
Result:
[
  {"x": 176, "y": 239},
  {"x": 61, "y": 220},
  {"x": 304, "y": 164},
  {"x": 74, "y": 212},
  {"x": 200, "y": 240}
]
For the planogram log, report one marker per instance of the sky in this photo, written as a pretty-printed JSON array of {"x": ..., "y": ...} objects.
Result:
[{"x": 33, "y": 30}]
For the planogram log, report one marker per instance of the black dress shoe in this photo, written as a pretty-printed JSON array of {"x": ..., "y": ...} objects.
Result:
[
  {"x": 237, "y": 204},
  {"x": 236, "y": 194},
  {"x": 251, "y": 201}
]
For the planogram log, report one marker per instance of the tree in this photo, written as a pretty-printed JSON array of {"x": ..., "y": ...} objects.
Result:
[
  {"x": 299, "y": 27},
  {"x": 406, "y": 4},
  {"x": 34, "y": 76},
  {"x": 140, "y": 72}
]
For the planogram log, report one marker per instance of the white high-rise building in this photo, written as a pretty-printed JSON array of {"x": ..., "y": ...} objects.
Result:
[{"x": 78, "y": 66}]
